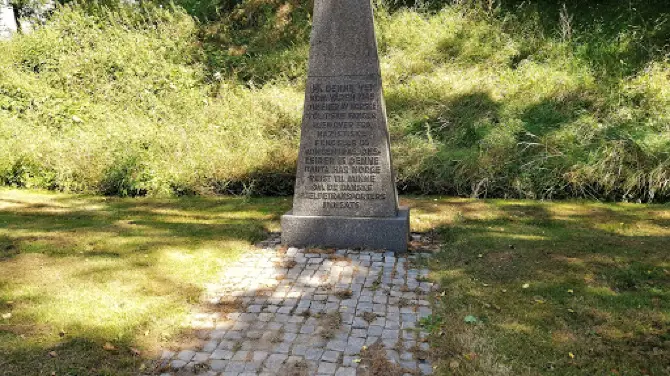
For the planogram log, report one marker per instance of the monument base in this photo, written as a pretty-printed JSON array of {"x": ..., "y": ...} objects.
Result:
[{"x": 390, "y": 233}]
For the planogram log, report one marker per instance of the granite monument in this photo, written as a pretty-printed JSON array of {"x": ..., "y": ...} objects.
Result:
[
  {"x": 8, "y": 24},
  {"x": 345, "y": 193}
]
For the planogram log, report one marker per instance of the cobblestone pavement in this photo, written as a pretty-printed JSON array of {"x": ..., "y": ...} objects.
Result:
[{"x": 300, "y": 313}]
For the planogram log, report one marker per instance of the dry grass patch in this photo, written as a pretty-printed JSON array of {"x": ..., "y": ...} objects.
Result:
[
  {"x": 375, "y": 363},
  {"x": 369, "y": 316},
  {"x": 321, "y": 251},
  {"x": 297, "y": 368},
  {"x": 224, "y": 305},
  {"x": 286, "y": 264},
  {"x": 338, "y": 258},
  {"x": 343, "y": 294},
  {"x": 329, "y": 324}
]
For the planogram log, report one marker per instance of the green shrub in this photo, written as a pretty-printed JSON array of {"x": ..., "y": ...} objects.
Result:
[
  {"x": 127, "y": 176},
  {"x": 29, "y": 173}
]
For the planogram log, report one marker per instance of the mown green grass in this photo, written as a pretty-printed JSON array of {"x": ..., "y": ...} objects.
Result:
[
  {"x": 125, "y": 272},
  {"x": 129, "y": 271},
  {"x": 571, "y": 288},
  {"x": 518, "y": 99}
]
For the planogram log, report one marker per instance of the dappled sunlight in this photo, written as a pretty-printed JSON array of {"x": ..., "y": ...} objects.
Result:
[
  {"x": 430, "y": 213},
  {"x": 28, "y": 198},
  {"x": 634, "y": 229},
  {"x": 178, "y": 255},
  {"x": 128, "y": 224},
  {"x": 514, "y": 236},
  {"x": 293, "y": 301},
  {"x": 553, "y": 278},
  {"x": 517, "y": 327},
  {"x": 96, "y": 296},
  {"x": 633, "y": 220},
  {"x": 197, "y": 217},
  {"x": 205, "y": 221},
  {"x": 35, "y": 202},
  {"x": 572, "y": 261},
  {"x": 197, "y": 264},
  {"x": 128, "y": 243},
  {"x": 34, "y": 208},
  {"x": 132, "y": 272},
  {"x": 113, "y": 270}
]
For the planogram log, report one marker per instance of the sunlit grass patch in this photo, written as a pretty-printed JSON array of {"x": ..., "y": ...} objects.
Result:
[{"x": 77, "y": 272}]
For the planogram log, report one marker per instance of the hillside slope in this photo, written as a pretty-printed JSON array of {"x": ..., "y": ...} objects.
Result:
[{"x": 520, "y": 99}]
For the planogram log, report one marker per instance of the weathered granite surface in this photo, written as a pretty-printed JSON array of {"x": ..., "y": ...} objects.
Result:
[
  {"x": 7, "y": 20},
  {"x": 388, "y": 233},
  {"x": 344, "y": 166}
]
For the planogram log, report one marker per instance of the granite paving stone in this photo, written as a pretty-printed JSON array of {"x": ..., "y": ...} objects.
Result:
[
  {"x": 280, "y": 320},
  {"x": 346, "y": 371},
  {"x": 201, "y": 357},
  {"x": 222, "y": 354},
  {"x": 218, "y": 365},
  {"x": 330, "y": 356},
  {"x": 326, "y": 368},
  {"x": 186, "y": 355}
]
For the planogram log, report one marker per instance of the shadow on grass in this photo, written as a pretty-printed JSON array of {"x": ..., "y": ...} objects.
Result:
[
  {"x": 551, "y": 114},
  {"x": 462, "y": 120},
  {"x": 606, "y": 33},
  {"x": 547, "y": 280},
  {"x": 616, "y": 38}
]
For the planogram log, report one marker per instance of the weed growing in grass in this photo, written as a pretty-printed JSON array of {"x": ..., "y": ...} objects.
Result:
[{"x": 431, "y": 322}]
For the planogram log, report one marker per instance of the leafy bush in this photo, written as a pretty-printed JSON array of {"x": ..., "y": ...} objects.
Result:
[
  {"x": 28, "y": 173},
  {"x": 127, "y": 176}
]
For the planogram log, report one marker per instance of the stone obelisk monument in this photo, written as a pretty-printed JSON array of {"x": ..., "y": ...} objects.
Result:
[
  {"x": 7, "y": 20},
  {"x": 345, "y": 193}
]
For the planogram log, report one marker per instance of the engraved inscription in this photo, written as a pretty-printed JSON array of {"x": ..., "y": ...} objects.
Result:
[{"x": 342, "y": 167}]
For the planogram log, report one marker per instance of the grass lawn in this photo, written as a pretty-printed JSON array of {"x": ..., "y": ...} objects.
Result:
[
  {"x": 98, "y": 270},
  {"x": 567, "y": 288}
]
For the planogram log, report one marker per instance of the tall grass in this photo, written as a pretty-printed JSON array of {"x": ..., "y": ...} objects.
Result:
[
  {"x": 120, "y": 102},
  {"x": 484, "y": 99}
]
